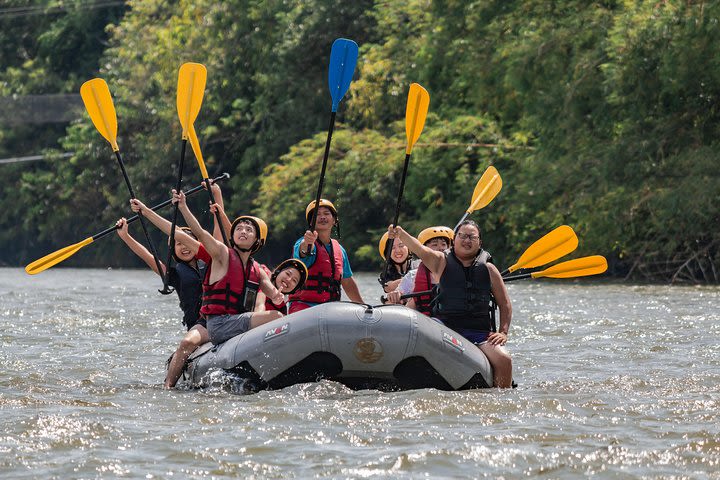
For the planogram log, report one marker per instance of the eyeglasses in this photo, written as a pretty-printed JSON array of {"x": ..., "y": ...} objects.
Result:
[{"x": 465, "y": 236}]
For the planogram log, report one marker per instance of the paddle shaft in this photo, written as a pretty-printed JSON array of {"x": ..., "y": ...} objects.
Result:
[
  {"x": 517, "y": 277},
  {"x": 461, "y": 220},
  {"x": 409, "y": 295},
  {"x": 190, "y": 192},
  {"x": 389, "y": 246},
  {"x": 322, "y": 175},
  {"x": 142, "y": 220},
  {"x": 166, "y": 277}
]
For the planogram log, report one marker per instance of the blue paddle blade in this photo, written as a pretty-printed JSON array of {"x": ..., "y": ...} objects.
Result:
[{"x": 343, "y": 58}]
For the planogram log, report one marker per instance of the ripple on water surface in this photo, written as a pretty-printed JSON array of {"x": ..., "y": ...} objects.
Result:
[{"x": 615, "y": 380}]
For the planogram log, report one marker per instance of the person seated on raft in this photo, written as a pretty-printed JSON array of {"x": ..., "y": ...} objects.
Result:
[
  {"x": 420, "y": 279},
  {"x": 398, "y": 265},
  {"x": 185, "y": 277},
  {"x": 327, "y": 263},
  {"x": 233, "y": 277},
  {"x": 288, "y": 277},
  {"x": 467, "y": 283}
]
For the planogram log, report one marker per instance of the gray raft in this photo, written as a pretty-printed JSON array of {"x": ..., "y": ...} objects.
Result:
[{"x": 390, "y": 347}]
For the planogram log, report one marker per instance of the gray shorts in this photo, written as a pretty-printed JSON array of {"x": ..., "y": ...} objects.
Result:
[{"x": 224, "y": 327}]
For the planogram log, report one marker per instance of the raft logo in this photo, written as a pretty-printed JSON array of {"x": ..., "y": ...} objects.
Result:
[
  {"x": 453, "y": 342},
  {"x": 368, "y": 350},
  {"x": 276, "y": 332}
]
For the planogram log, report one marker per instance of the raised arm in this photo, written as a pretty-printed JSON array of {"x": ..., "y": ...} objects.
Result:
[
  {"x": 219, "y": 205},
  {"x": 164, "y": 225},
  {"x": 434, "y": 261},
  {"x": 136, "y": 247},
  {"x": 216, "y": 249}
]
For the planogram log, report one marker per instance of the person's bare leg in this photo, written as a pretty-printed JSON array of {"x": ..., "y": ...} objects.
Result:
[
  {"x": 195, "y": 337},
  {"x": 260, "y": 318},
  {"x": 501, "y": 363}
]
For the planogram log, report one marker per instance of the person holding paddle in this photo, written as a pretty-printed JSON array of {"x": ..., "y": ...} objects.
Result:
[
  {"x": 185, "y": 277},
  {"x": 419, "y": 279},
  {"x": 234, "y": 277},
  {"x": 397, "y": 267},
  {"x": 467, "y": 283},
  {"x": 327, "y": 261}
]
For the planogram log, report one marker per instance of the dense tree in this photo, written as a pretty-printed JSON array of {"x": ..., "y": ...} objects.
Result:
[{"x": 597, "y": 114}]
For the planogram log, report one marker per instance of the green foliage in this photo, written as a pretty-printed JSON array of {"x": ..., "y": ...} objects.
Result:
[{"x": 601, "y": 115}]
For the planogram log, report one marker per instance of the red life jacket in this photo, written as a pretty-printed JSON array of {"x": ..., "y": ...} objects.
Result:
[
  {"x": 423, "y": 282},
  {"x": 232, "y": 294},
  {"x": 324, "y": 276}
]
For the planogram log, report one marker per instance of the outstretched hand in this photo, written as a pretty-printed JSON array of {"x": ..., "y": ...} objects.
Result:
[
  {"x": 178, "y": 198},
  {"x": 136, "y": 205},
  {"x": 122, "y": 230}
]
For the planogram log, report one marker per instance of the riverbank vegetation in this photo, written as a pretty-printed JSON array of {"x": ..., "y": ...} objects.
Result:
[{"x": 601, "y": 115}]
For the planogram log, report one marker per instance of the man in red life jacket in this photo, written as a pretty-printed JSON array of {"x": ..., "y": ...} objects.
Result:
[
  {"x": 233, "y": 277},
  {"x": 466, "y": 283},
  {"x": 328, "y": 264}
]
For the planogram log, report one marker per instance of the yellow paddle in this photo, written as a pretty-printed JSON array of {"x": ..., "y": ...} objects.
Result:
[
  {"x": 580, "y": 267},
  {"x": 486, "y": 189},
  {"x": 550, "y": 247},
  {"x": 195, "y": 144},
  {"x": 416, "y": 110},
  {"x": 190, "y": 90},
  {"x": 99, "y": 105},
  {"x": 64, "y": 253}
]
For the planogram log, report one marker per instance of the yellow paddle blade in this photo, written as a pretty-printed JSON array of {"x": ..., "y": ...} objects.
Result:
[
  {"x": 552, "y": 246},
  {"x": 190, "y": 90},
  {"x": 195, "y": 144},
  {"x": 99, "y": 105},
  {"x": 580, "y": 267},
  {"x": 415, "y": 113},
  {"x": 486, "y": 189},
  {"x": 54, "y": 258}
]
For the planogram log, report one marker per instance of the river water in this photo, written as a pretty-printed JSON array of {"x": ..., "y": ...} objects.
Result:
[{"x": 616, "y": 380}]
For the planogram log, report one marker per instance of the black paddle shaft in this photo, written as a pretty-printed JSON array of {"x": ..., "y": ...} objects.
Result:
[
  {"x": 130, "y": 220},
  {"x": 389, "y": 246},
  {"x": 322, "y": 176},
  {"x": 142, "y": 220},
  {"x": 166, "y": 290}
]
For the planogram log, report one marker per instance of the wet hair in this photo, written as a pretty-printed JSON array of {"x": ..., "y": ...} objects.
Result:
[{"x": 472, "y": 224}]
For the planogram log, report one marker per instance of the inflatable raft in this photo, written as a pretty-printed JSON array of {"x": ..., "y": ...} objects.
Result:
[{"x": 389, "y": 347}]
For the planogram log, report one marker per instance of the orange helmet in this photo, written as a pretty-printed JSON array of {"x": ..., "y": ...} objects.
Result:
[
  {"x": 291, "y": 263},
  {"x": 436, "y": 232},
  {"x": 261, "y": 231},
  {"x": 323, "y": 203}
]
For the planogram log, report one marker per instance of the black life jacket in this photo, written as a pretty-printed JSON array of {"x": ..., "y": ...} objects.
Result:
[
  {"x": 464, "y": 298},
  {"x": 188, "y": 285}
]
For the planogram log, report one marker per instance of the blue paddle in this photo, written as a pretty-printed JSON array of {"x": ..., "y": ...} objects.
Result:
[{"x": 343, "y": 58}]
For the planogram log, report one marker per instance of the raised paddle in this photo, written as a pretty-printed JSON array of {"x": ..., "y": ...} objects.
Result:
[
  {"x": 195, "y": 144},
  {"x": 98, "y": 102},
  {"x": 58, "y": 256},
  {"x": 343, "y": 57},
  {"x": 486, "y": 189},
  {"x": 190, "y": 90},
  {"x": 550, "y": 247},
  {"x": 415, "y": 113},
  {"x": 580, "y": 267}
]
